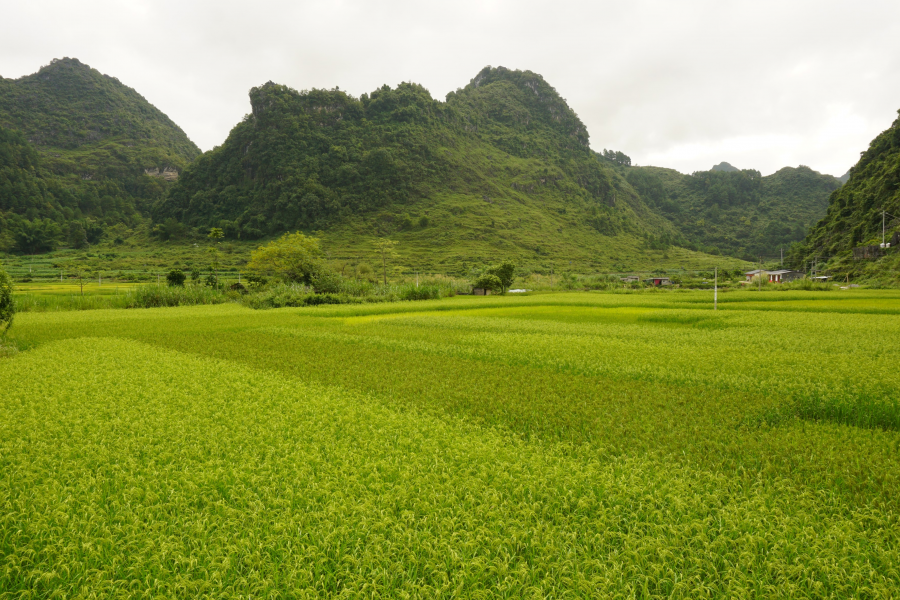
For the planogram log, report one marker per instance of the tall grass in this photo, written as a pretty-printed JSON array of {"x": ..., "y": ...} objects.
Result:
[
  {"x": 62, "y": 302},
  {"x": 157, "y": 296},
  {"x": 147, "y": 296},
  {"x": 804, "y": 284},
  {"x": 348, "y": 292}
]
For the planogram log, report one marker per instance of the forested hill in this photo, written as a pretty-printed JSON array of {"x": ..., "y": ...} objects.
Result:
[
  {"x": 854, "y": 215},
  {"x": 80, "y": 150},
  {"x": 503, "y": 163},
  {"x": 739, "y": 212}
]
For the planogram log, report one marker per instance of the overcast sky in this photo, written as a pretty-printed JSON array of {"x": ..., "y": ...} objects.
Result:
[{"x": 684, "y": 85}]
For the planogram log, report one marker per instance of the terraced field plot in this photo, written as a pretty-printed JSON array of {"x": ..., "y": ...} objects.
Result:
[{"x": 562, "y": 445}]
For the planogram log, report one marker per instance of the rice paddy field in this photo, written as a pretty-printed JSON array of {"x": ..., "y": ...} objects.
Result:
[{"x": 546, "y": 446}]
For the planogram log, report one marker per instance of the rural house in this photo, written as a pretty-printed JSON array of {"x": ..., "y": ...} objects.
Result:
[
  {"x": 784, "y": 275},
  {"x": 658, "y": 281},
  {"x": 780, "y": 276}
]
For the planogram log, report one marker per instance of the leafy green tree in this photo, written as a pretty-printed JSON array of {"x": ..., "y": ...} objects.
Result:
[
  {"x": 215, "y": 257},
  {"x": 7, "y": 305},
  {"x": 294, "y": 257},
  {"x": 81, "y": 271},
  {"x": 488, "y": 281},
  {"x": 617, "y": 158},
  {"x": 77, "y": 236},
  {"x": 170, "y": 229},
  {"x": 385, "y": 248},
  {"x": 39, "y": 235},
  {"x": 93, "y": 231},
  {"x": 175, "y": 278},
  {"x": 505, "y": 273}
]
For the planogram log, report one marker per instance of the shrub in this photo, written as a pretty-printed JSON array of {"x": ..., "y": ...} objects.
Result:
[
  {"x": 327, "y": 281},
  {"x": 422, "y": 292},
  {"x": 7, "y": 306},
  {"x": 154, "y": 296},
  {"x": 175, "y": 278}
]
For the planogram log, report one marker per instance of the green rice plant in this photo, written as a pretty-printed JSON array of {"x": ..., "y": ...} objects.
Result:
[
  {"x": 556, "y": 444},
  {"x": 860, "y": 410},
  {"x": 171, "y": 474}
]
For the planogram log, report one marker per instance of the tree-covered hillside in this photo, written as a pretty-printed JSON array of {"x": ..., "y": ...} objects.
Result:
[
  {"x": 739, "y": 213},
  {"x": 503, "y": 161},
  {"x": 854, "y": 215},
  {"x": 80, "y": 151}
]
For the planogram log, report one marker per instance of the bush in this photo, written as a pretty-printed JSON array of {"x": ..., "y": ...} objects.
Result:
[
  {"x": 809, "y": 285},
  {"x": 327, "y": 281},
  {"x": 422, "y": 292},
  {"x": 176, "y": 278},
  {"x": 155, "y": 296},
  {"x": 285, "y": 295},
  {"x": 7, "y": 306}
]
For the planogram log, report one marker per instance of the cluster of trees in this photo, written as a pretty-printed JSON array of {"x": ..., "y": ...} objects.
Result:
[
  {"x": 615, "y": 157},
  {"x": 497, "y": 278}
]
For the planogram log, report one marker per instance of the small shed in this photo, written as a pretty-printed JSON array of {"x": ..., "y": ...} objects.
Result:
[
  {"x": 630, "y": 279},
  {"x": 658, "y": 281},
  {"x": 481, "y": 292}
]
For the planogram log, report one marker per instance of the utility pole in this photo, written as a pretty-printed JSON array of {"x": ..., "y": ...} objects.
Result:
[
  {"x": 760, "y": 273},
  {"x": 782, "y": 257},
  {"x": 716, "y": 290}
]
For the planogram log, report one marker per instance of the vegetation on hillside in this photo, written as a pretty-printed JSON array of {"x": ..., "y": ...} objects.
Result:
[
  {"x": 854, "y": 215},
  {"x": 739, "y": 213},
  {"x": 320, "y": 158},
  {"x": 79, "y": 153}
]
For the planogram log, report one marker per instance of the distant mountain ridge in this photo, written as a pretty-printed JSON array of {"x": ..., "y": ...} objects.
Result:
[
  {"x": 69, "y": 105},
  {"x": 504, "y": 165},
  {"x": 99, "y": 154},
  {"x": 740, "y": 213}
]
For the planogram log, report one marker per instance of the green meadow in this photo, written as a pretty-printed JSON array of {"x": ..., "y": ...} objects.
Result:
[{"x": 564, "y": 445}]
